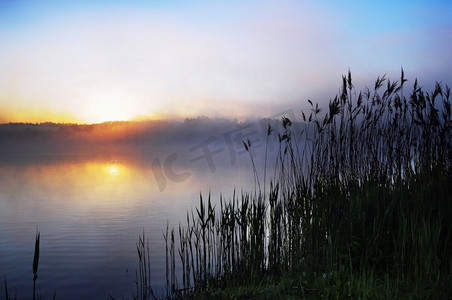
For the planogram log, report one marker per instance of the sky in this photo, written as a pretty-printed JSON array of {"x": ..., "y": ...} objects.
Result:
[{"x": 95, "y": 61}]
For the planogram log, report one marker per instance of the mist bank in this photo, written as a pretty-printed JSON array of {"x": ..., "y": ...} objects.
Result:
[{"x": 135, "y": 138}]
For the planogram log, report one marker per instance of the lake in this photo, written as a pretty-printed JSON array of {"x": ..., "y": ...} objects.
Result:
[{"x": 90, "y": 208}]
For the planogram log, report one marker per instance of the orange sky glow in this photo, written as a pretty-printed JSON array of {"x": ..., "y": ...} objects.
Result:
[{"x": 97, "y": 61}]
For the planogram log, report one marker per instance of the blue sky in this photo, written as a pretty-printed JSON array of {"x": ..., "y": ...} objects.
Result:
[{"x": 91, "y": 61}]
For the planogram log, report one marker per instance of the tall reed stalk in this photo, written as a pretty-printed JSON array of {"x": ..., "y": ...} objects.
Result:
[{"x": 36, "y": 262}]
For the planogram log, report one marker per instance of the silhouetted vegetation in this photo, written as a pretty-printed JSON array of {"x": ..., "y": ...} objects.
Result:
[
  {"x": 359, "y": 206},
  {"x": 35, "y": 272}
]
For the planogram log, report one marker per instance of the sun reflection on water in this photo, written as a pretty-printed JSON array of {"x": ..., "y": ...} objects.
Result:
[{"x": 113, "y": 169}]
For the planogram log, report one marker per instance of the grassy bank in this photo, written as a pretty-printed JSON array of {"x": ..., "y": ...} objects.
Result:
[{"x": 359, "y": 206}]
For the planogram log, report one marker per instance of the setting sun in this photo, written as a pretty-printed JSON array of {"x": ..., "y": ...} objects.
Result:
[{"x": 104, "y": 109}]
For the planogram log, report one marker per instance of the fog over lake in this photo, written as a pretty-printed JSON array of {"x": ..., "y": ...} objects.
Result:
[{"x": 91, "y": 190}]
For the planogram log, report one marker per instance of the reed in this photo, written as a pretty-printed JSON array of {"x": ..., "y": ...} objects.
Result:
[
  {"x": 36, "y": 262},
  {"x": 7, "y": 296},
  {"x": 143, "y": 275},
  {"x": 359, "y": 206},
  {"x": 35, "y": 272}
]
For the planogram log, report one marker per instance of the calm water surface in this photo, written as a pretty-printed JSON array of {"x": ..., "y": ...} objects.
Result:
[{"x": 90, "y": 210}]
